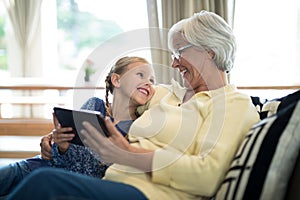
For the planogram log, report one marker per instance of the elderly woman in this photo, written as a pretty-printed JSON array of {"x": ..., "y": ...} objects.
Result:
[{"x": 182, "y": 146}]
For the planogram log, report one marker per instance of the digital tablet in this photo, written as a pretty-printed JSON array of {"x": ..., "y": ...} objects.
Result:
[{"x": 74, "y": 119}]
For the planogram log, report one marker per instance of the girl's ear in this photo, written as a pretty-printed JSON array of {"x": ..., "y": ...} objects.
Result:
[{"x": 115, "y": 80}]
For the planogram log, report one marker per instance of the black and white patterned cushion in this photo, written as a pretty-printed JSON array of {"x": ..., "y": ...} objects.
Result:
[
  {"x": 271, "y": 107},
  {"x": 265, "y": 161}
]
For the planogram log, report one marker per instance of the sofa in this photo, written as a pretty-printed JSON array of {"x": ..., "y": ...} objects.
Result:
[{"x": 267, "y": 164}]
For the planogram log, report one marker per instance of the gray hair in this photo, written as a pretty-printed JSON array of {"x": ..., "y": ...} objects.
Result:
[{"x": 209, "y": 31}]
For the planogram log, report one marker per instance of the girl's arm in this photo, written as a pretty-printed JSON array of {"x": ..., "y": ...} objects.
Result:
[{"x": 79, "y": 159}]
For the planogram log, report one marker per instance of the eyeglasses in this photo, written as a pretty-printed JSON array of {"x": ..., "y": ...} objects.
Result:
[{"x": 177, "y": 53}]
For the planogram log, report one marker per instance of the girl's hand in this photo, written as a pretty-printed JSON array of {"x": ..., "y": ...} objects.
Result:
[{"x": 60, "y": 137}]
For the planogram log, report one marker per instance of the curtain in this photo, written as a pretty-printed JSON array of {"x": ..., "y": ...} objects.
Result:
[
  {"x": 171, "y": 12},
  {"x": 24, "y": 48},
  {"x": 24, "y": 16}
]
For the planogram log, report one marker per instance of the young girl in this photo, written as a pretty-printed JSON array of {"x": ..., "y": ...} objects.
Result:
[{"x": 131, "y": 82}]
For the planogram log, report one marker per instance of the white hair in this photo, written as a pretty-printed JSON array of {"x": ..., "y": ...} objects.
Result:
[{"x": 209, "y": 31}]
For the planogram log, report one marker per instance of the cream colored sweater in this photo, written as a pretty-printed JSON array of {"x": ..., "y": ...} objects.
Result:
[{"x": 194, "y": 142}]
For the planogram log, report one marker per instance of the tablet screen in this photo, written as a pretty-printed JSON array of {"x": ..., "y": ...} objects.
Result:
[{"x": 74, "y": 119}]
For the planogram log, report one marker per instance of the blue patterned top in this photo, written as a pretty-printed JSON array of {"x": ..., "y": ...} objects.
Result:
[{"x": 81, "y": 159}]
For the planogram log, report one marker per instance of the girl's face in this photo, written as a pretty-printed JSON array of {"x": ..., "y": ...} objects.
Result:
[{"x": 137, "y": 83}]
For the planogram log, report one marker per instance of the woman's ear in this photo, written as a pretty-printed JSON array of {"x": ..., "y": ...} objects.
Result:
[
  {"x": 115, "y": 80},
  {"x": 211, "y": 54}
]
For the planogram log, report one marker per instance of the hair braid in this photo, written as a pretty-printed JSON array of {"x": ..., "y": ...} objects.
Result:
[{"x": 108, "y": 89}]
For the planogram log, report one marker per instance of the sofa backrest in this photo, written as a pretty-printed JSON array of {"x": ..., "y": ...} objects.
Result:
[{"x": 265, "y": 162}]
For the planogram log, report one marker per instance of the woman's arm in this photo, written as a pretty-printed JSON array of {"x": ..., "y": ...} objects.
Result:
[{"x": 116, "y": 149}]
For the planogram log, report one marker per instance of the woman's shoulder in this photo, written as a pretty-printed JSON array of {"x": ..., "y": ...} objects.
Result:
[{"x": 174, "y": 87}]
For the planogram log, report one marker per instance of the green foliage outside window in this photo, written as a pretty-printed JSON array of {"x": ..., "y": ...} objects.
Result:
[
  {"x": 83, "y": 29},
  {"x": 3, "y": 57}
]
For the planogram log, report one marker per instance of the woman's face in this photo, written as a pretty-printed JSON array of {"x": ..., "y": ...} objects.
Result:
[
  {"x": 193, "y": 64},
  {"x": 137, "y": 83}
]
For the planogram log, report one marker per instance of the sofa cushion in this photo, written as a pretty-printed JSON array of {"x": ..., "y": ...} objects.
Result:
[
  {"x": 270, "y": 107},
  {"x": 265, "y": 161},
  {"x": 288, "y": 100}
]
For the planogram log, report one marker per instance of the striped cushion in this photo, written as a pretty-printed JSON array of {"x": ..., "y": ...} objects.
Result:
[
  {"x": 264, "y": 163},
  {"x": 271, "y": 107}
]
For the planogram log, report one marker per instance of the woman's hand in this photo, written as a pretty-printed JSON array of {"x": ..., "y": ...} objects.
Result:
[
  {"x": 115, "y": 148},
  {"x": 109, "y": 148},
  {"x": 60, "y": 137}
]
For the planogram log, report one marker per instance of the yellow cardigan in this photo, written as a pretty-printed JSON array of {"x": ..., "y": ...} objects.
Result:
[{"x": 194, "y": 142}]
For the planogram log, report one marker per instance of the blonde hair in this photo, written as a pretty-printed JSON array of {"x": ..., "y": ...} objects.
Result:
[{"x": 119, "y": 68}]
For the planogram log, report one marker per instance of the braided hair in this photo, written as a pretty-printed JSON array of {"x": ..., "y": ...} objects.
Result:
[{"x": 119, "y": 68}]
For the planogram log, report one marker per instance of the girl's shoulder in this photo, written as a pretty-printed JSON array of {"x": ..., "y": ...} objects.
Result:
[
  {"x": 95, "y": 100},
  {"x": 94, "y": 104}
]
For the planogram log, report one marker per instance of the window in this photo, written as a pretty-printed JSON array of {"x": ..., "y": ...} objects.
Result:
[
  {"x": 72, "y": 29},
  {"x": 82, "y": 25},
  {"x": 3, "y": 57},
  {"x": 268, "y": 42},
  {"x": 70, "y": 32}
]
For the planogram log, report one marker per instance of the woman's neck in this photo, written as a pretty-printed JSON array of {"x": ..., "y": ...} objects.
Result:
[{"x": 211, "y": 83}]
